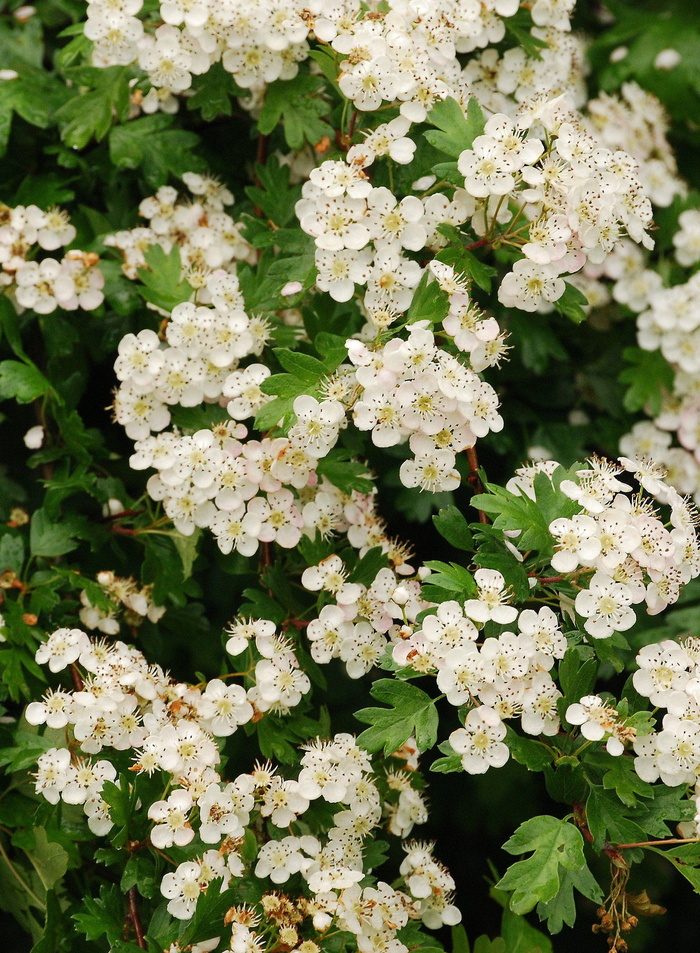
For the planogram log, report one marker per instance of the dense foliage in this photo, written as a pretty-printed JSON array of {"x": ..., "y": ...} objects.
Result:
[{"x": 350, "y": 362}]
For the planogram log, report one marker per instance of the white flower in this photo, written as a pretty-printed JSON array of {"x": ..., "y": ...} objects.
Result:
[
  {"x": 223, "y": 708},
  {"x": 318, "y": 424},
  {"x": 52, "y": 773},
  {"x": 577, "y": 543},
  {"x": 597, "y": 719},
  {"x": 172, "y": 824},
  {"x": 62, "y": 649},
  {"x": 606, "y": 606},
  {"x": 480, "y": 742},
  {"x": 493, "y": 596},
  {"x": 182, "y": 888}
]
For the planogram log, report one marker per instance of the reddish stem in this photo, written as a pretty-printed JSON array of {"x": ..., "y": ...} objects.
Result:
[
  {"x": 136, "y": 919},
  {"x": 123, "y": 530},
  {"x": 479, "y": 244},
  {"x": 119, "y": 516},
  {"x": 76, "y": 678},
  {"x": 474, "y": 480}
]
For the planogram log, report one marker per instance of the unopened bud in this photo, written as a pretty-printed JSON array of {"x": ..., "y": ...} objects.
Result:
[
  {"x": 401, "y": 595},
  {"x": 322, "y": 921},
  {"x": 34, "y": 437}
]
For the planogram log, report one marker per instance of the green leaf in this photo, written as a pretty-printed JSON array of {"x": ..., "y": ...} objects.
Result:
[
  {"x": 11, "y": 553},
  {"x": 348, "y": 475},
  {"x": 460, "y": 941},
  {"x": 213, "y": 92},
  {"x": 649, "y": 377},
  {"x": 28, "y": 747},
  {"x": 429, "y": 303},
  {"x": 522, "y": 937},
  {"x": 457, "y": 132},
  {"x": 294, "y": 103},
  {"x": 155, "y": 146},
  {"x": 516, "y": 513},
  {"x": 621, "y": 777},
  {"x": 33, "y": 95},
  {"x": 527, "y": 751},
  {"x": 51, "y": 539},
  {"x": 306, "y": 369},
  {"x": 457, "y": 581},
  {"x": 577, "y": 673},
  {"x": 450, "y": 763},
  {"x": 572, "y": 303},
  {"x": 608, "y": 821},
  {"x": 49, "y": 859},
  {"x": 55, "y": 929},
  {"x": 686, "y": 860},
  {"x": 305, "y": 375},
  {"x": 554, "y": 844},
  {"x": 274, "y": 196},
  {"x": 140, "y": 872},
  {"x": 531, "y": 44},
  {"x": 162, "y": 280},
  {"x": 562, "y": 908},
  {"x": 463, "y": 260},
  {"x": 90, "y": 114},
  {"x": 23, "y": 382},
  {"x": 535, "y": 341},
  {"x": 102, "y": 916},
  {"x": 163, "y": 567},
  {"x": 367, "y": 568},
  {"x": 452, "y": 526},
  {"x": 483, "y": 944},
  {"x": 328, "y": 65},
  {"x": 413, "y": 713},
  {"x": 187, "y": 548}
]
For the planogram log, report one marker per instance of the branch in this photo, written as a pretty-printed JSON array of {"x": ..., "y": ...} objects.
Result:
[
  {"x": 660, "y": 843},
  {"x": 136, "y": 919},
  {"x": 76, "y": 678},
  {"x": 474, "y": 480}
]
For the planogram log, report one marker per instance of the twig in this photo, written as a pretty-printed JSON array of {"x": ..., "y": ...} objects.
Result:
[
  {"x": 660, "y": 843},
  {"x": 121, "y": 515},
  {"x": 122, "y": 530},
  {"x": 136, "y": 919},
  {"x": 265, "y": 563},
  {"x": 474, "y": 480},
  {"x": 76, "y": 678}
]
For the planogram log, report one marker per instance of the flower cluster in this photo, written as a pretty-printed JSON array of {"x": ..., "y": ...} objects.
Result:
[
  {"x": 620, "y": 543},
  {"x": 206, "y": 236},
  {"x": 668, "y": 675},
  {"x": 74, "y": 281},
  {"x": 414, "y": 389},
  {"x": 397, "y": 55},
  {"x": 115, "y": 596},
  {"x": 670, "y": 323},
  {"x": 125, "y": 705},
  {"x": 635, "y": 122}
]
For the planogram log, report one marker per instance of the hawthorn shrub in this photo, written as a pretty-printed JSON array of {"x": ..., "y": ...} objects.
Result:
[{"x": 351, "y": 441}]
